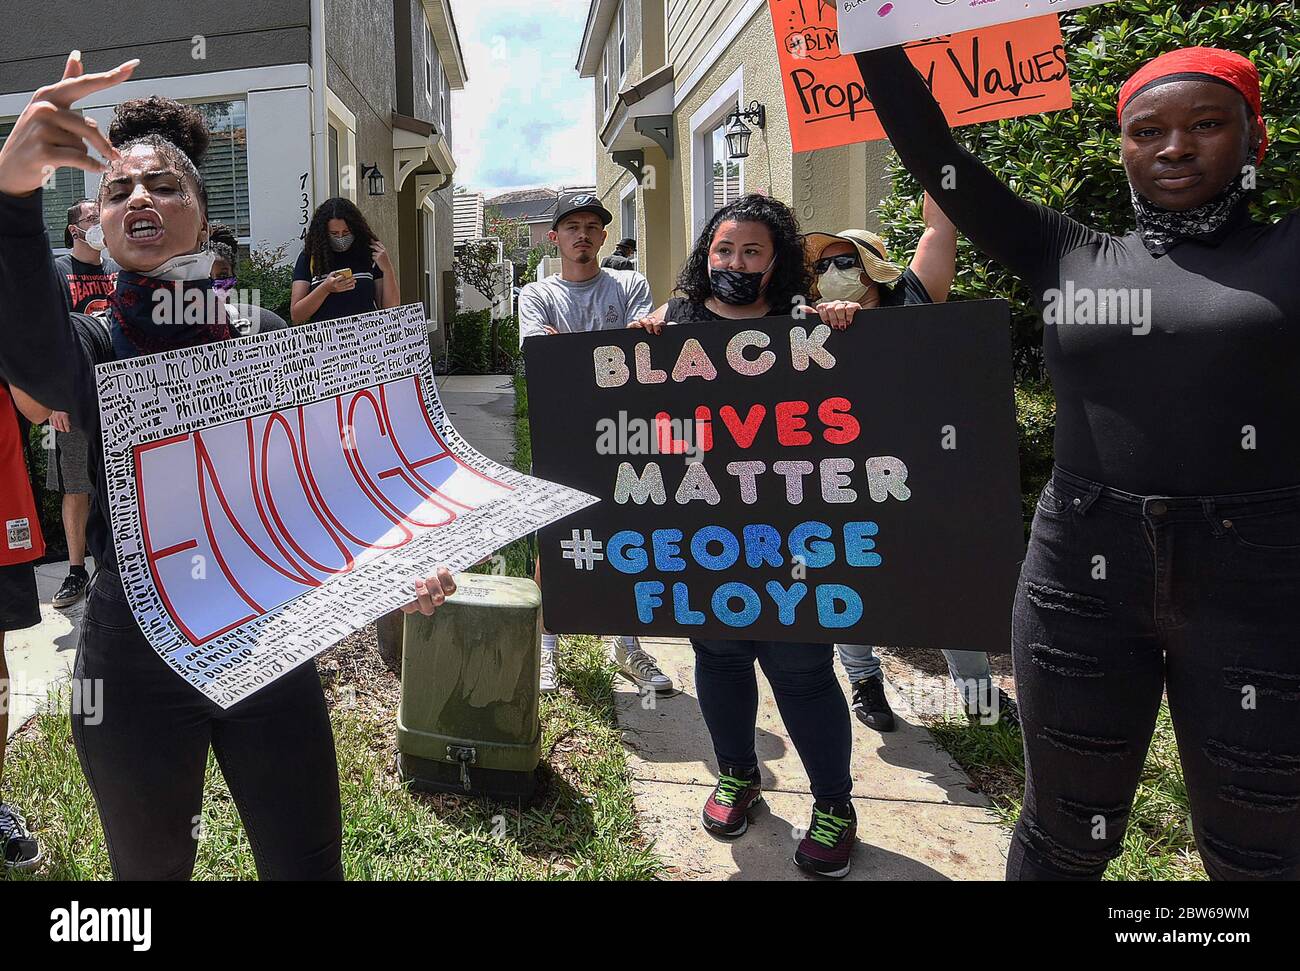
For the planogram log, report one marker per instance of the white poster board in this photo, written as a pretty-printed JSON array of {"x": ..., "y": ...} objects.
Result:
[
  {"x": 273, "y": 494},
  {"x": 867, "y": 25}
]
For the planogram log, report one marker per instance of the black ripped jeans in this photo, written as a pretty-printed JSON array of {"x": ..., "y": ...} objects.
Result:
[
  {"x": 1121, "y": 598},
  {"x": 145, "y": 748}
]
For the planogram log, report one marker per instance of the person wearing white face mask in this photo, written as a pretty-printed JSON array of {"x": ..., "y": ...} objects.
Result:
[
  {"x": 88, "y": 277},
  {"x": 852, "y": 272}
]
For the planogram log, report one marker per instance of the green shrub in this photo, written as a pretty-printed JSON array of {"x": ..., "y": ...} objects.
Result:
[
  {"x": 266, "y": 271},
  {"x": 49, "y": 505},
  {"x": 1070, "y": 159},
  {"x": 471, "y": 344}
]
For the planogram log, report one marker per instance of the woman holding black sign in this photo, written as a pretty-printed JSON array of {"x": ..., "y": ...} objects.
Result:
[
  {"x": 748, "y": 263},
  {"x": 145, "y": 750},
  {"x": 1165, "y": 552}
]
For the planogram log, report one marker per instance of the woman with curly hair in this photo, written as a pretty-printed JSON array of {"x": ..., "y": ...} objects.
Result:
[
  {"x": 145, "y": 747},
  {"x": 749, "y": 262},
  {"x": 344, "y": 269}
]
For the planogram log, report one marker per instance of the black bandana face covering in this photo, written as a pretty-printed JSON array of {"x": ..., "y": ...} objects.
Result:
[
  {"x": 148, "y": 315},
  {"x": 736, "y": 287},
  {"x": 1162, "y": 229}
]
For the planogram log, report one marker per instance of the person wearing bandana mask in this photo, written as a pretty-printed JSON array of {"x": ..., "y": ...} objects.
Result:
[
  {"x": 149, "y": 745},
  {"x": 344, "y": 269},
  {"x": 1177, "y": 478},
  {"x": 750, "y": 262}
]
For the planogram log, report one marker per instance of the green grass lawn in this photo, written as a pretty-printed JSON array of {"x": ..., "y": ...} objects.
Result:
[
  {"x": 1158, "y": 844},
  {"x": 581, "y": 826}
]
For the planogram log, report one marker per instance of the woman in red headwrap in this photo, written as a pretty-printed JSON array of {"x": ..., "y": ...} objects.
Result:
[{"x": 1165, "y": 552}]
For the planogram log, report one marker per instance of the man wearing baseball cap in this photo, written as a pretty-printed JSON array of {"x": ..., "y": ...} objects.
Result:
[
  {"x": 853, "y": 272},
  {"x": 583, "y": 297}
]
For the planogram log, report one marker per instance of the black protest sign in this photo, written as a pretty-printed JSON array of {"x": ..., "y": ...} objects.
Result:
[{"x": 776, "y": 480}]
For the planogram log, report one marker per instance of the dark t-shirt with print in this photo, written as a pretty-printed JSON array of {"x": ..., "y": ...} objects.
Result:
[
  {"x": 362, "y": 299},
  {"x": 86, "y": 285}
]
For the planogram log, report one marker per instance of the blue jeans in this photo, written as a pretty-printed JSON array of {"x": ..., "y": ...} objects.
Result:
[
  {"x": 1123, "y": 598},
  {"x": 969, "y": 670}
]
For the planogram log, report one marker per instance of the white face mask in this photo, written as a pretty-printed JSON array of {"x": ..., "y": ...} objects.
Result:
[
  {"x": 341, "y": 244},
  {"x": 186, "y": 267},
  {"x": 837, "y": 284},
  {"x": 94, "y": 237}
]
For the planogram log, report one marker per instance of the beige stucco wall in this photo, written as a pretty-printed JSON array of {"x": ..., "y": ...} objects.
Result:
[
  {"x": 769, "y": 166},
  {"x": 830, "y": 190}
]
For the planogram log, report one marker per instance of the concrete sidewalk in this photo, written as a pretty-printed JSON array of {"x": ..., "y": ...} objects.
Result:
[
  {"x": 41, "y": 657},
  {"x": 482, "y": 407},
  {"x": 917, "y": 817}
]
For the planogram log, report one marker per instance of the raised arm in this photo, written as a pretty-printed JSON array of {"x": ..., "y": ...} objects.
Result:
[
  {"x": 39, "y": 352},
  {"x": 935, "y": 262},
  {"x": 1022, "y": 235}
]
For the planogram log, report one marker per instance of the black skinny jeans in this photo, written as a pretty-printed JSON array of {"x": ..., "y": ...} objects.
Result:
[
  {"x": 1124, "y": 597},
  {"x": 808, "y": 695},
  {"x": 145, "y": 760}
]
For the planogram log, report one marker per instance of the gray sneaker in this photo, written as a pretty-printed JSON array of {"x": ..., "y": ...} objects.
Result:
[
  {"x": 21, "y": 849},
  {"x": 550, "y": 682},
  {"x": 639, "y": 667}
]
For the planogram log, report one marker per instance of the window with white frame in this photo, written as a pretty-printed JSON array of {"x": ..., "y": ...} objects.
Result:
[
  {"x": 716, "y": 179},
  {"x": 622, "y": 43},
  {"x": 428, "y": 62},
  {"x": 444, "y": 87},
  {"x": 342, "y": 134},
  {"x": 65, "y": 188},
  {"x": 225, "y": 166},
  {"x": 628, "y": 213},
  {"x": 604, "y": 87},
  {"x": 334, "y": 161}
]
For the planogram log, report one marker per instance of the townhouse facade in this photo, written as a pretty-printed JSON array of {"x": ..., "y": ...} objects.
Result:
[
  {"x": 306, "y": 100},
  {"x": 668, "y": 77}
]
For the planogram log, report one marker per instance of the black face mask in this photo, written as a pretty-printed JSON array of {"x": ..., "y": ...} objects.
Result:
[{"x": 737, "y": 287}]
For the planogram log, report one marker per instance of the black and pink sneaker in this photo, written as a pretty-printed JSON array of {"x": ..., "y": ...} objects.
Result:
[
  {"x": 736, "y": 796},
  {"x": 826, "y": 846}
]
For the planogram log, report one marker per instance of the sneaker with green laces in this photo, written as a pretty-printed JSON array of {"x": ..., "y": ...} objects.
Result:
[
  {"x": 737, "y": 795},
  {"x": 826, "y": 846}
]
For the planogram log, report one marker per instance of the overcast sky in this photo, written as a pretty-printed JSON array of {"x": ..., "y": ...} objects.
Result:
[{"x": 525, "y": 117}]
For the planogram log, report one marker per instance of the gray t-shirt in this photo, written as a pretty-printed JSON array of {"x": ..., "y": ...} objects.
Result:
[{"x": 608, "y": 301}]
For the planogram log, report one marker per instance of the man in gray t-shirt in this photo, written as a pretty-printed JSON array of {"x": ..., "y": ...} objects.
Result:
[
  {"x": 608, "y": 300},
  {"x": 584, "y": 297}
]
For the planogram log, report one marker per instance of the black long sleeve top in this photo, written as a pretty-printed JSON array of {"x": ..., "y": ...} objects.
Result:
[
  {"x": 51, "y": 353},
  {"x": 1202, "y": 397}
]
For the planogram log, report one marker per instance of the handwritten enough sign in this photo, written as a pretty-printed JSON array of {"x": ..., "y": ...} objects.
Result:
[
  {"x": 983, "y": 75},
  {"x": 866, "y": 25},
  {"x": 272, "y": 494}
]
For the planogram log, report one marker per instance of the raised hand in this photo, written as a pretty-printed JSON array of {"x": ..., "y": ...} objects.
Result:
[{"x": 49, "y": 134}]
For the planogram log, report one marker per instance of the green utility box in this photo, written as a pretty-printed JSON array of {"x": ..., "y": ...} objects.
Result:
[{"x": 468, "y": 720}]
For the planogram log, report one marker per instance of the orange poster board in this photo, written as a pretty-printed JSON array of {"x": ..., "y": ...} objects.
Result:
[{"x": 981, "y": 75}]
